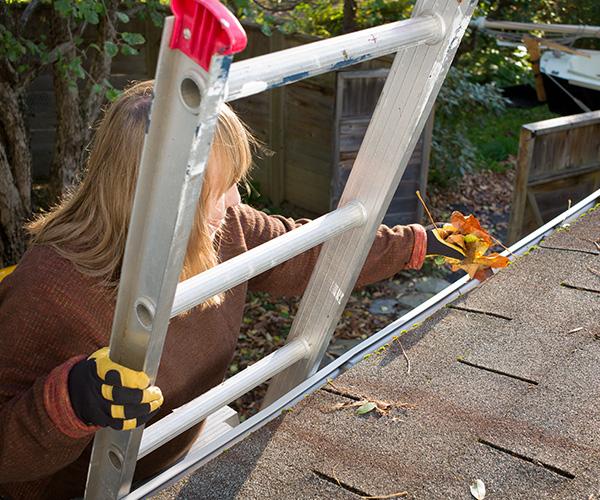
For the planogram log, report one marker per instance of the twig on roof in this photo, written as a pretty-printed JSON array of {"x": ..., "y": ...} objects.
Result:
[
  {"x": 393, "y": 495},
  {"x": 336, "y": 478},
  {"x": 595, "y": 242},
  {"x": 426, "y": 209},
  {"x": 405, "y": 357},
  {"x": 594, "y": 271},
  {"x": 359, "y": 400}
]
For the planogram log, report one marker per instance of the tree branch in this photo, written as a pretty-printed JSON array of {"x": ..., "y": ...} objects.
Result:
[
  {"x": 53, "y": 56},
  {"x": 134, "y": 10},
  {"x": 33, "y": 4},
  {"x": 100, "y": 64},
  {"x": 15, "y": 131},
  {"x": 278, "y": 9},
  {"x": 7, "y": 71}
]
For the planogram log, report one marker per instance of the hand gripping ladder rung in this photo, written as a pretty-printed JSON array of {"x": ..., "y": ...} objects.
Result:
[{"x": 194, "y": 77}]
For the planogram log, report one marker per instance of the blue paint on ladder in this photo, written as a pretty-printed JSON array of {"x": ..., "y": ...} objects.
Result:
[
  {"x": 295, "y": 77},
  {"x": 350, "y": 61}
]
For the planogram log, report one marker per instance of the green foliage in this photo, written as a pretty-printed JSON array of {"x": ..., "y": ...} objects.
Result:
[
  {"x": 28, "y": 50},
  {"x": 487, "y": 62},
  {"x": 320, "y": 17},
  {"x": 496, "y": 138},
  {"x": 459, "y": 101}
]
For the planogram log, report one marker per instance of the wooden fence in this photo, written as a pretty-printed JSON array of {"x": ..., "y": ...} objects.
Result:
[
  {"x": 312, "y": 129},
  {"x": 558, "y": 164}
]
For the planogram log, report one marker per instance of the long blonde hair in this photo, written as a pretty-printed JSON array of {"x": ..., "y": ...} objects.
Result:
[{"x": 89, "y": 226}]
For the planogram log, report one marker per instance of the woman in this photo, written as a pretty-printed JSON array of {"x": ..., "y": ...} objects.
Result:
[{"x": 57, "y": 384}]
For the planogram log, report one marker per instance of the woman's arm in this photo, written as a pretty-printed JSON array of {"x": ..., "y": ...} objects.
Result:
[
  {"x": 46, "y": 421},
  {"x": 39, "y": 432},
  {"x": 396, "y": 248},
  {"x": 41, "y": 340},
  {"x": 50, "y": 318}
]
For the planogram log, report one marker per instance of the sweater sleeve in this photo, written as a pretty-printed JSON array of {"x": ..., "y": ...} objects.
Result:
[
  {"x": 39, "y": 432},
  {"x": 394, "y": 249}
]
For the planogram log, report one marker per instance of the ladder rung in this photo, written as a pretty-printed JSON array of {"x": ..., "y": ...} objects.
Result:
[
  {"x": 245, "y": 266},
  {"x": 198, "y": 409},
  {"x": 261, "y": 73}
]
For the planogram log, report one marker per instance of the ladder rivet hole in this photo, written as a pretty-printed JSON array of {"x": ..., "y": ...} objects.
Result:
[
  {"x": 190, "y": 94},
  {"x": 144, "y": 310},
  {"x": 115, "y": 460}
]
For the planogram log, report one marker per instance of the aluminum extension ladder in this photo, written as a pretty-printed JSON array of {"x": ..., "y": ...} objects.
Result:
[{"x": 194, "y": 77}]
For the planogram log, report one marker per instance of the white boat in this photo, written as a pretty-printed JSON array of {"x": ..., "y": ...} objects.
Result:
[
  {"x": 580, "y": 70},
  {"x": 571, "y": 76}
]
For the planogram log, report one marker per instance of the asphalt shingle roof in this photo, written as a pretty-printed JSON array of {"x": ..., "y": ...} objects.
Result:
[{"x": 504, "y": 387}]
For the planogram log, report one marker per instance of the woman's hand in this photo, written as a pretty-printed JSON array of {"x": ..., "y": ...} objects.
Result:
[
  {"x": 437, "y": 246},
  {"x": 107, "y": 394}
]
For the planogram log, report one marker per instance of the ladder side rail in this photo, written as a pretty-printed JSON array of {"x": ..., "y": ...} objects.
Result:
[
  {"x": 404, "y": 105},
  {"x": 245, "y": 266},
  {"x": 257, "y": 74},
  {"x": 157, "y": 237},
  {"x": 201, "y": 407}
]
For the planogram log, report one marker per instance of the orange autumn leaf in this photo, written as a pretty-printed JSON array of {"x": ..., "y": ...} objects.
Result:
[
  {"x": 467, "y": 233},
  {"x": 469, "y": 225},
  {"x": 457, "y": 239}
]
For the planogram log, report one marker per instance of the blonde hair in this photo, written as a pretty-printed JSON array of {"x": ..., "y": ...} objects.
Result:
[{"x": 89, "y": 226}]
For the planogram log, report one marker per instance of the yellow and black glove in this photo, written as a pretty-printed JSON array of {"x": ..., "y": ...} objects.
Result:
[
  {"x": 437, "y": 246},
  {"x": 107, "y": 394}
]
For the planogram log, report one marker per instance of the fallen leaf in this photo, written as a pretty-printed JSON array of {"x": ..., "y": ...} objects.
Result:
[
  {"x": 467, "y": 234},
  {"x": 366, "y": 408},
  {"x": 478, "y": 489},
  {"x": 469, "y": 225}
]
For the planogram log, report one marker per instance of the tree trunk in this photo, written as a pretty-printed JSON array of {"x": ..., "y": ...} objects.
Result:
[
  {"x": 70, "y": 137},
  {"x": 78, "y": 106},
  {"x": 15, "y": 176},
  {"x": 349, "y": 21}
]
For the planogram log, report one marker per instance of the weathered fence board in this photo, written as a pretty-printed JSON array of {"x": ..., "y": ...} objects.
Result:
[
  {"x": 558, "y": 164},
  {"x": 357, "y": 95}
]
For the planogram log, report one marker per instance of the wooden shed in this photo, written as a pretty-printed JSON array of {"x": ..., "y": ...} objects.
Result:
[{"x": 313, "y": 128}]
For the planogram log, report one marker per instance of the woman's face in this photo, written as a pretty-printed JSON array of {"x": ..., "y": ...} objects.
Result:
[
  {"x": 217, "y": 205},
  {"x": 217, "y": 209}
]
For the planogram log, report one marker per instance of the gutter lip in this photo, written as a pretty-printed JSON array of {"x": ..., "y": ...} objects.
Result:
[{"x": 349, "y": 359}]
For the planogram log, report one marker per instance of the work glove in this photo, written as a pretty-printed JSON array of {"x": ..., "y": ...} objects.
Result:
[
  {"x": 437, "y": 246},
  {"x": 107, "y": 394}
]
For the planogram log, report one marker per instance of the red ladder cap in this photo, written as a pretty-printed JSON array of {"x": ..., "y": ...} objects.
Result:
[{"x": 204, "y": 28}]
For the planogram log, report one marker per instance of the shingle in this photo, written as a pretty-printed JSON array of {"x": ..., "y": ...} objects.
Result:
[{"x": 579, "y": 235}]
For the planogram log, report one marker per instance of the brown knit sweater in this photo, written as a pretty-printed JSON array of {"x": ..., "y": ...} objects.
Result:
[{"x": 51, "y": 315}]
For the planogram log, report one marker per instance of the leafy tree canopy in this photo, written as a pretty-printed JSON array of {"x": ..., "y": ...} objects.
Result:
[{"x": 27, "y": 47}]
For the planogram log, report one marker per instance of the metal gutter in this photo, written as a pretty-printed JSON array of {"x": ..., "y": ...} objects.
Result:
[{"x": 194, "y": 461}]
